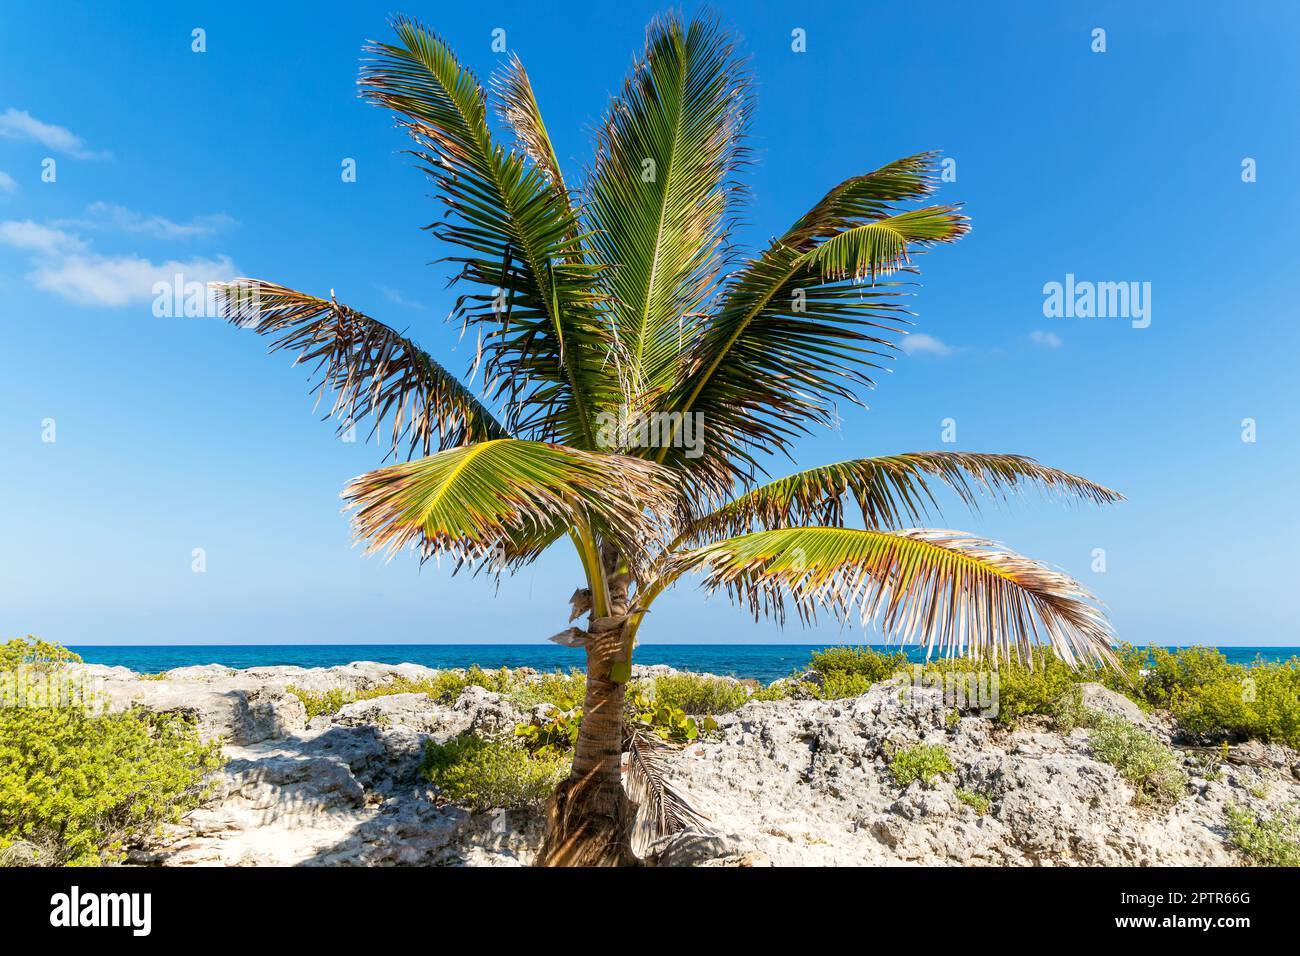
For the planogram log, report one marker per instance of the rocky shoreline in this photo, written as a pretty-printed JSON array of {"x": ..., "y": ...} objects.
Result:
[{"x": 783, "y": 782}]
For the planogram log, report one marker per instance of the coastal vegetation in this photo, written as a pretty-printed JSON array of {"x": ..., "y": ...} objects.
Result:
[
  {"x": 638, "y": 377},
  {"x": 492, "y": 774},
  {"x": 78, "y": 785},
  {"x": 924, "y": 762},
  {"x": 1266, "y": 839},
  {"x": 1152, "y": 768}
]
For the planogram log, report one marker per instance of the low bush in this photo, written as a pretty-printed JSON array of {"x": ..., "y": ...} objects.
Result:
[
  {"x": 699, "y": 695},
  {"x": 561, "y": 690},
  {"x": 1212, "y": 698},
  {"x": 1151, "y": 767},
  {"x": 976, "y": 801},
  {"x": 838, "y": 685},
  {"x": 488, "y": 774},
  {"x": 78, "y": 786},
  {"x": 660, "y": 718},
  {"x": 1265, "y": 840},
  {"x": 864, "y": 662},
  {"x": 924, "y": 762}
]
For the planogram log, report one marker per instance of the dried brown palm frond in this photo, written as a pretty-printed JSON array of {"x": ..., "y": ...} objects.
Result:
[
  {"x": 661, "y": 808},
  {"x": 367, "y": 367}
]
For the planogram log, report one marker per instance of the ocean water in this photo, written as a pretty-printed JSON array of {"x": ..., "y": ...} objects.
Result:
[{"x": 764, "y": 662}]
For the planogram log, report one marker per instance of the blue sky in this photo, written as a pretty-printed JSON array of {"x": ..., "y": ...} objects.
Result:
[{"x": 176, "y": 433}]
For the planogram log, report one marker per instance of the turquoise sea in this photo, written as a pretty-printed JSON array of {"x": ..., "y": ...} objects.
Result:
[{"x": 764, "y": 662}]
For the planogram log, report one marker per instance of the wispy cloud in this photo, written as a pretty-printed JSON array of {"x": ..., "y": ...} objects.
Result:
[
  {"x": 396, "y": 297},
  {"x": 121, "y": 280},
  {"x": 918, "y": 343},
  {"x": 1046, "y": 339},
  {"x": 103, "y": 215},
  {"x": 7, "y": 183},
  {"x": 22, "y": 125},
  {"x": 37, "y": 238},
  {"x": 62, "y": 262}
]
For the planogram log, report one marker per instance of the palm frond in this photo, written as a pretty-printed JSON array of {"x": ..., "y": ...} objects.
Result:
[
  {"x": 517, "y": 106},
  {"x": 502, "y": 499},
  {"x": 660, "y": 196},
  {"x": 543, "y": 344},
  {"x": 790, "y": 339},
  {"x": 891, "y": 491},
  {"x": 368, "y": 367},
  {"x": 954, "y": 592},
  {"x": 661, "y": 808}
]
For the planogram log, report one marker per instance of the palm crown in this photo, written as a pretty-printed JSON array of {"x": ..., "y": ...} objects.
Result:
[{"x": 616, "y": 303}]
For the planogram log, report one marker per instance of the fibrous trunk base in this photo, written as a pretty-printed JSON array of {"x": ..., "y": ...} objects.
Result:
[{"x": 588, "y": 824}]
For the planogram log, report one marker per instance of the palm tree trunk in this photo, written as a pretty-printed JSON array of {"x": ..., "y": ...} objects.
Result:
[{"x": 589, "y": 819}]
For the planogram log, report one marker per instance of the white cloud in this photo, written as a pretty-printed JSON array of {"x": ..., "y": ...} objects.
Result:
[
  {"x": 396, "y": 297},
  {"x": 34, "y": 237},
  {"x": 7, "y": 183},
  {"x": 103, "y": 215},
  {"x": 1047, "y": 339},
  {"x": 122, "y": 280},
  {"x": 919, "y": 343},
  {"x": 20, "y": 124}
]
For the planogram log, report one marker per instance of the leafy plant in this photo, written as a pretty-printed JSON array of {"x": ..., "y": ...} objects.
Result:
[
  {"x": 698, "y": 694},
  {"x": 1265, "y": 840},
  {"x": 557, "y": 733},
  {"x": 1143, "y": 761},
  {"x": 976, "y": 801},
  {"x": 923, "y": 762},
  {"x": 485, "y": 774},
  {"x": 865, "y": 662},
  {"x": 78, "y": 786},
  {"x": 657, "y": 718},
  {"x": 34, "y": 654}
]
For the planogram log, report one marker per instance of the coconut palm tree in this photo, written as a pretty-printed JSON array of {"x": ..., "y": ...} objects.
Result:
[{"x": 635, "y": 372}]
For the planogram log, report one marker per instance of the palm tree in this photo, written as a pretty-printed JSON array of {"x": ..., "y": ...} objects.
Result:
[{"x": 612, "y": 322}]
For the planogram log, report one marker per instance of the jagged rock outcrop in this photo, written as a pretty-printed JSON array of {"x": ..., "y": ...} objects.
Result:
[{"x": 790, "y": 782}]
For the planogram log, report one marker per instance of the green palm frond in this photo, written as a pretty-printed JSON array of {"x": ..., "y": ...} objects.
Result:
[
  {"x": 891, "y": 491},
  {"x": 368, "y": 367},
  {"x": 790, "y": 339},
  {"x": 660, "y": 195},
  {"x": 502, "y": 500},
  {"x": 951, "y": 591},
  {"x": 542, "y": 340}
]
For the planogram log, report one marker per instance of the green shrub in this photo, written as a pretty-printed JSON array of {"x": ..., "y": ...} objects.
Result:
[
  {"x": 923, "y": 762},
  {"x": 564, "y": 691},
  {"x": 443, "y": 687},
  {"x": 555, "y": 734},
  {"x": 650, "y": 715},
  {"x": 1068, "y": 712},
  {"x": 1143, "y": 761},
  {"x": 1265, "y": 840},
  {"x": 838, "y": 685},
  {"x": 865, "y": 662},
  {"x": 1212, "y": 698},
  {"x": 976, "y": 801},
  {"x": 696, "y": 694},
  {"x": 328, "y": 702},
  {"x": 447, "y": 685},
  {"x": 33, "y": 653},
  {"x": 486, "y": 774},
  {"x": 782, "y": 689},
  {"x": 77, "y": 786}
]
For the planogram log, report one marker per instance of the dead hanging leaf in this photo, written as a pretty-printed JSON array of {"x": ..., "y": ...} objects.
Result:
[
  {"x": 570, "y": 637},
  {"x": 580, "y": 603}
]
